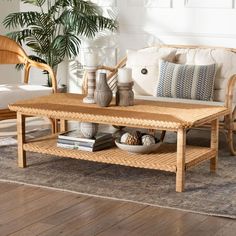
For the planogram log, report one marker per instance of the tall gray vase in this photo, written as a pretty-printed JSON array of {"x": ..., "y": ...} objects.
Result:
[{"x": 103, "y": 94}]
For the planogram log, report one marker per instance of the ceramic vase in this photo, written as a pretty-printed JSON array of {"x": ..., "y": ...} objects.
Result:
[
  {"x": 103, "y": 94},
  {"x": 88, "y": 130}
]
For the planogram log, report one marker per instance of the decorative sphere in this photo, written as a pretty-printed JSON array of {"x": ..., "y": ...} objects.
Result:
[
  {"x": 124, "y": 137},
  {"x": 130, "y": 139},
  {"x": 88, "y": 130},
  {"x": 148, "y": 140}
]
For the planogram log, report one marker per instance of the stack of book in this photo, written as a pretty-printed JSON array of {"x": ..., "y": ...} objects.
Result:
[{"x": 75, "y": 140}]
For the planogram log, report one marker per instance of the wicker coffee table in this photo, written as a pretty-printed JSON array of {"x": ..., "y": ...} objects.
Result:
[{"x": 144, "y": 114}]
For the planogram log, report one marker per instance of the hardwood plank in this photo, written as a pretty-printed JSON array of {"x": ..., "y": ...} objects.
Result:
[
  {"x": 129, "y": 224},
  {"x": 72, "y": 212},
  {"x": 35, "y": 204},
  {"x": 32, "y": 230},
  {"x": 181, "y": 225},
  {"x": 6, "y": 187},
  {"x": 229, "y": 229},
  {"x": 208, "y": 227},
  {"x": 19, "y": 196},
  {"x": 61, "y": 201},
  {"x": 67, "y": 214},
  {"x": 159, "y": 222},
  {"x": 99, "y": 207},
  {"x": 112, "y": 217},
  {"x": 18, "y": 193}
]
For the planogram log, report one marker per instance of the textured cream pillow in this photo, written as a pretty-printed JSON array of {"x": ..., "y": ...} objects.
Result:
[{"x": 144, "y": 64}]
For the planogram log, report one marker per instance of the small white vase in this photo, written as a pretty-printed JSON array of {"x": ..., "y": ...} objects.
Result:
[{"x": 88, "y": 130}]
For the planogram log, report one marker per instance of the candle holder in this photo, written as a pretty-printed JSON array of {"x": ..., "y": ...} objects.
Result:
[
  {"x": 124, "y": 75},
  {"x": 91, "y": 70},
  {"x": 124, "y": 94}
]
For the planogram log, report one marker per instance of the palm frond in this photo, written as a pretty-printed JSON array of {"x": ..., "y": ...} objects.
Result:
[
  {"x": 85, "y": 25},
  {"x": 38, "y": 3},
  {"x": 56, "y": 8},
  {"x": 85, "y": 7},
  {"x": 22, "y": 19},
  {"x": 19, "y": 36},
  {"x": 105, "y": 23},
  {"x": 66, "y": 45}
]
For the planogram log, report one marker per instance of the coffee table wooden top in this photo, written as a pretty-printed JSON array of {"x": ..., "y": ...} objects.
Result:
[{"x": 144, "y": 114}]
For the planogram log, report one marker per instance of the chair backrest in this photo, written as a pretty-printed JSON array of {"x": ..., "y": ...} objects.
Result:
[{"x": 11, "y": 52}]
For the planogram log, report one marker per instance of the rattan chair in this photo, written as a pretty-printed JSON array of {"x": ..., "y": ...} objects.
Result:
[{"x": 13, "y": 53}]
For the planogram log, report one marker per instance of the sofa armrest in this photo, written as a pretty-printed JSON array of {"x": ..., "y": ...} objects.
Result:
[
  {"x": 30, "y": 63},
  {"x": 230, "y": 91}
]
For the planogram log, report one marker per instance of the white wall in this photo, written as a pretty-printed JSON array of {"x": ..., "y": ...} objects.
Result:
[
  {"x": 8, "y": 72},
  {"x": 205, "y": 22}
]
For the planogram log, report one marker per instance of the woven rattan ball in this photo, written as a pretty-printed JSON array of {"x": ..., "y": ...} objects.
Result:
[
  {"x": 148, "y": 140},
  {"x": 130, "y": 139},
  {"x": 124, "y": 137}
]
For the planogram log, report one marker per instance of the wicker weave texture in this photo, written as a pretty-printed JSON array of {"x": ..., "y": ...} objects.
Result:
[
  {"x": 144, "y": 114},
  {"x": 164, "y": 159}
]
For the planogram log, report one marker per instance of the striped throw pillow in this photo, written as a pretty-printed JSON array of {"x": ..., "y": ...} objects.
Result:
[{"x": 186, "y": 81}]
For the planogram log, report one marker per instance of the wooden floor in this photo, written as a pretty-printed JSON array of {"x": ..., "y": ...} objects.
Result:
[{"x": 29, "y": 211}]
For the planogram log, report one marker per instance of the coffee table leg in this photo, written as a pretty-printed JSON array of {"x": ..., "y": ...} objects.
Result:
[
  {"x": 63, "y": 125},
  {"x": 21, "y": 140},
  {"x": 214, "y": 143},
  {"x": 181, "y": 148}
]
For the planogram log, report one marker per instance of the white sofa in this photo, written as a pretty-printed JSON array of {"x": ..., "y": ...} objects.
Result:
[
  {"x": 224, "y": 93},
  {"x": 10, "y": 93}
]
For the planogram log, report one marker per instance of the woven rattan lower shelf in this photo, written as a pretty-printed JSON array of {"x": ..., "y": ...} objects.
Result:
[{"x": 164, "y": 159}]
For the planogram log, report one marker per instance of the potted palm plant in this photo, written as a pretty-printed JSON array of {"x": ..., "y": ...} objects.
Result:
[{"x": 53, "y": 31}]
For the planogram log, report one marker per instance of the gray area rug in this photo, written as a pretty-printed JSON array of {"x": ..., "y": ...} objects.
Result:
[{"x": 206, "y": 193}]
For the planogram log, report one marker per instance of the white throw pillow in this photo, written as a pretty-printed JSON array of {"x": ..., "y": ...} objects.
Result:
[{"x": 144, "y": 64}]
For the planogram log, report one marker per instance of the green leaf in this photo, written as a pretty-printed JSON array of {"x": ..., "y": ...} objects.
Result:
[
  {"x": 20, "y": 19},
  {"x": 66, "y": 45},
  {"x": 19, "y": 36},
  {"x": 38, "y": 3}
]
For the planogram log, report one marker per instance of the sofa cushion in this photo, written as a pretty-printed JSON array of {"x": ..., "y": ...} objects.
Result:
[
  {"x": 144, "y": 64},
  {"x": 10, "y": 93},
  {"x": 225, "y": 60},
  {"x": 186, "y": 81}
]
